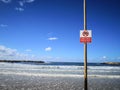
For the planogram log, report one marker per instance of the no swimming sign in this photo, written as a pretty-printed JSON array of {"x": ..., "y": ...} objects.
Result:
[{"x": 85, "y": 36}]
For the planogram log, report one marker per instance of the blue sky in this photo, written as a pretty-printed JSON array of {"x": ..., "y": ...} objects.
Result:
[{"x": 49, "y": 30}]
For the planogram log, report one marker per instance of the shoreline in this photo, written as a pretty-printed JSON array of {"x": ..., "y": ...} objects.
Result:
[{"x": 61, "y": 63}]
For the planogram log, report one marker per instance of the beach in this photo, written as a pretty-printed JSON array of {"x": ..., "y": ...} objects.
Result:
[
  {"x": 34, "y": 77},
  {"x": 16, "y": 82}
]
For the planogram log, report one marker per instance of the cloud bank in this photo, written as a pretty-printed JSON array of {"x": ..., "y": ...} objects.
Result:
[
  {"x": 12, "y": 54},
  {"x": 19, "y": 3}
]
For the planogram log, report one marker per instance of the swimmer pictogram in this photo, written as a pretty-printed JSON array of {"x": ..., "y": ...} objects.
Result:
[{"x": 85, "y": 33}]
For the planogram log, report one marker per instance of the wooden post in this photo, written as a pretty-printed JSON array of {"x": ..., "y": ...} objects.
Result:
[{"x": 85, "y": 49}]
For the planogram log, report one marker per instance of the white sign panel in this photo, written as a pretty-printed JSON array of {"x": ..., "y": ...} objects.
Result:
[{"x": 85, "y": 36}]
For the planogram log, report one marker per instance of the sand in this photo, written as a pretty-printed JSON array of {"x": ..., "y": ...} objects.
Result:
[{"x": 21, "y": 82}]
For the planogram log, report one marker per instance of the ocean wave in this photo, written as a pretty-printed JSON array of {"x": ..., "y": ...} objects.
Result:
[
  {"x": 9, "y": 65},
  {"x": 58, "y": 69},
  {"x": 27, "y": 66},
  {"x": 57, "y": 75},
  {"x": 104, "y": 67}
]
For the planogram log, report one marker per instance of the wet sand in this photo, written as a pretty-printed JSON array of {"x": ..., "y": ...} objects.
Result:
[{"x": 20, "y": 82}]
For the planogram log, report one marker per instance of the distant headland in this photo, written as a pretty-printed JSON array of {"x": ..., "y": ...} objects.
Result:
[
  {"x": 111, "y": 63},
  {"x": 21, "y": 61}
]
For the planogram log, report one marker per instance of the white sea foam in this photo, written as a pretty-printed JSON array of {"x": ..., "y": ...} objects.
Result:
[
  {"x": 104, "y": 67},
  {"x": 58, "y": 71},
  {"x": 24, "y": 66},
  {"x": 57, "y": 75}
]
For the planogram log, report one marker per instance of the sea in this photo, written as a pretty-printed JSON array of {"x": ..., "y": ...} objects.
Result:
[
  {"x": 58, "y": 76},
  {"x": 60, "y": 69}
]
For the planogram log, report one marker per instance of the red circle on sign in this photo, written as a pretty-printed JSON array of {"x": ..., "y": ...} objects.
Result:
[{"x": 85, "y": 33}]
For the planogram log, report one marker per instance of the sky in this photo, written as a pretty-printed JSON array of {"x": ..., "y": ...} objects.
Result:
[{"x": 49, "y": 30}]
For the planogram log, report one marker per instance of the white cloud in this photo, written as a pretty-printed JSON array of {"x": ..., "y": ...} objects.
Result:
[
  {"x": 7, "y": 52},
  {"x": 104, "y": 57},
  {"x": 6, "y": 1},
  {"x": 52, "y": 38},
  {"x": 48, "y": 49},
  {"x": 29, "y": 1},
  {"x": 28, "y": 50},
  {"x": 19, "y": 9},
  {"x": 22, "y": 2},
  {"x": 3, "y": 25}
]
